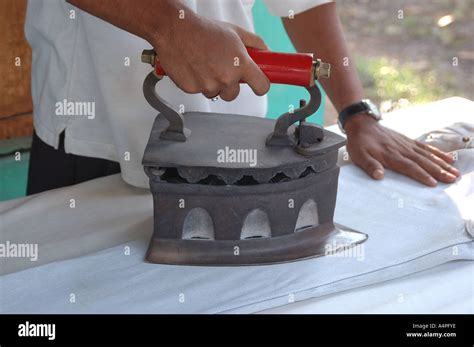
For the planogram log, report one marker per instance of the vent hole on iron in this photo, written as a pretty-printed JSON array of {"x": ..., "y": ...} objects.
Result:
[
  {"x": 280, "y": 177},
  {"x": 308, "y": 171},
  {"x": 256, "y": 226},
  {"x": 246, "y": 180},
  {"x": 212, "y": 180},
  {"x": 198, "y": 225},
  {"x": 171, "y": 175},
  {"x": 307, "y": 216}
]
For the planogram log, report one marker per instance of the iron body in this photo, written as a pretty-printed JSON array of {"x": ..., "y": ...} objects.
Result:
[{"x": 276, "y": 209}]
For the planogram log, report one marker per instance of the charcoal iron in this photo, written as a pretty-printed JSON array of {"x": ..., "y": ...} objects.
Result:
[{"x": 244, "y": 190}]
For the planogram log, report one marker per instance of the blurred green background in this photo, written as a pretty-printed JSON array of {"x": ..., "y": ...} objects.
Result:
[{"x": 14, "y": 159}]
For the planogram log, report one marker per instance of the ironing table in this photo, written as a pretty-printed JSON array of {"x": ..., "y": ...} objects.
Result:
[{"x": 96, "y": 255}]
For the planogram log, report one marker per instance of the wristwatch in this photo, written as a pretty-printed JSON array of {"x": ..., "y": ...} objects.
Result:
[{"x": 365, "y": 106}]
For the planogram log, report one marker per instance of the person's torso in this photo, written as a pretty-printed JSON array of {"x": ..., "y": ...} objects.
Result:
[{"x": 82, "y": 61}]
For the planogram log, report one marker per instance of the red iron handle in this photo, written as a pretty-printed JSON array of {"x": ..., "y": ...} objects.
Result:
[
  {"x": 285, "y": 68},
  {"x": 299, "y": 69}
]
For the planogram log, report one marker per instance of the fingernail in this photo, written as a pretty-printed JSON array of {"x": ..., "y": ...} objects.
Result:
[
  {"x": 451, "y": 177},
  {"x": 454, "y": 171},
  {"x": 377, "y": 174},
  {"x": 432, "y": 181}
]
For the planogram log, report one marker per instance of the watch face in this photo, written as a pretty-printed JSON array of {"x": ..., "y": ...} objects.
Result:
[{"x": 372, "y": 108}]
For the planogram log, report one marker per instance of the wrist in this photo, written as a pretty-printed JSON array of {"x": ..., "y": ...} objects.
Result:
[
  {"x": 164, "y": 22},
  {"x": 357, "y": 114},
  {"x": 359, "y": 121}
]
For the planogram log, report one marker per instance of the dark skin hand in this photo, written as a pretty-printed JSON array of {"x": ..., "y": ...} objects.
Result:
[
  {"x": 373, "y": 147},
  {"x": 370, "y": 145}
]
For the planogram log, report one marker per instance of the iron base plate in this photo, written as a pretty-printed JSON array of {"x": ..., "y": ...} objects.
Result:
[{"x": 311, "y": 242}]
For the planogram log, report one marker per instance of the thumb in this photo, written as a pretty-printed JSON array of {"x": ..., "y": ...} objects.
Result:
[
  {"x": 371, "y": 166},
  {"x": 250, "y": 39}
]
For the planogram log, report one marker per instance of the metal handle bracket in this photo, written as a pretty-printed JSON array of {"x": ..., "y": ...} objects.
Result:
[{"x": 176, "y": 130}]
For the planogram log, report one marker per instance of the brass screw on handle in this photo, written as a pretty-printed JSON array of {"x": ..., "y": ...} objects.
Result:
[
  {"x": 321, "y": 69},
  {"x": 149, "y": 57}
]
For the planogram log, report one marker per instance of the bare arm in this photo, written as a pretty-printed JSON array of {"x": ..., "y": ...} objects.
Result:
[
  {"x": 147, "y": 19},
  {"x": 198, "y": 54},
  {"x": 370, "y": 145},
  {"x": 319, "y": 31}
]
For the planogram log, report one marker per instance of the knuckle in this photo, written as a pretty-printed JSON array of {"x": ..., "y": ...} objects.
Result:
[
  {"x": 389, "y": 156},
  {"x": 260, "y": 92},
  {"x": 228, "y": 97},
  {"x": 263, "y": 89},
  {"x": 190, "y": 89},
  {"x": 399, "y": 161},
  {"x": 229, "y": 94},
  {"x": 389, "y": 148},
  {"x": 229, "y": 80},
  {"x": 209, "y": 90},
  {"x": 247, "y": 64}
]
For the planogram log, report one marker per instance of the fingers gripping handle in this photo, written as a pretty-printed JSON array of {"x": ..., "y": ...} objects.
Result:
[
  {"x": 299, "y": 69},
  {"x": 282, "y": 68}
]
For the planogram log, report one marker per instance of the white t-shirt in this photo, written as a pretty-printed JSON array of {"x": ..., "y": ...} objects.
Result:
[{"x": 87, "y": 80}]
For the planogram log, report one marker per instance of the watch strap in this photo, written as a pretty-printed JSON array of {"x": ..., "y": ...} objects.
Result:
[{"x": 352, "y": 110}]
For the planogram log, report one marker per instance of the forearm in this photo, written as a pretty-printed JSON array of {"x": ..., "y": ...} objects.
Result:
[
  {"x": 319, "y": 31},
  {"x": 197, "y": 54},
  {"x": 148, "y": 19}
]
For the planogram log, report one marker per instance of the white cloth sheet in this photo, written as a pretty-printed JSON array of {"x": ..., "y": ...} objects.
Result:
[
  {"x": 94, "y": 252},
  {"x": 445, "y": 289}
]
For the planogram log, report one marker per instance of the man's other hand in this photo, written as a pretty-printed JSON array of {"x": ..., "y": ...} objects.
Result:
[{"x": 374, "y": 147}]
